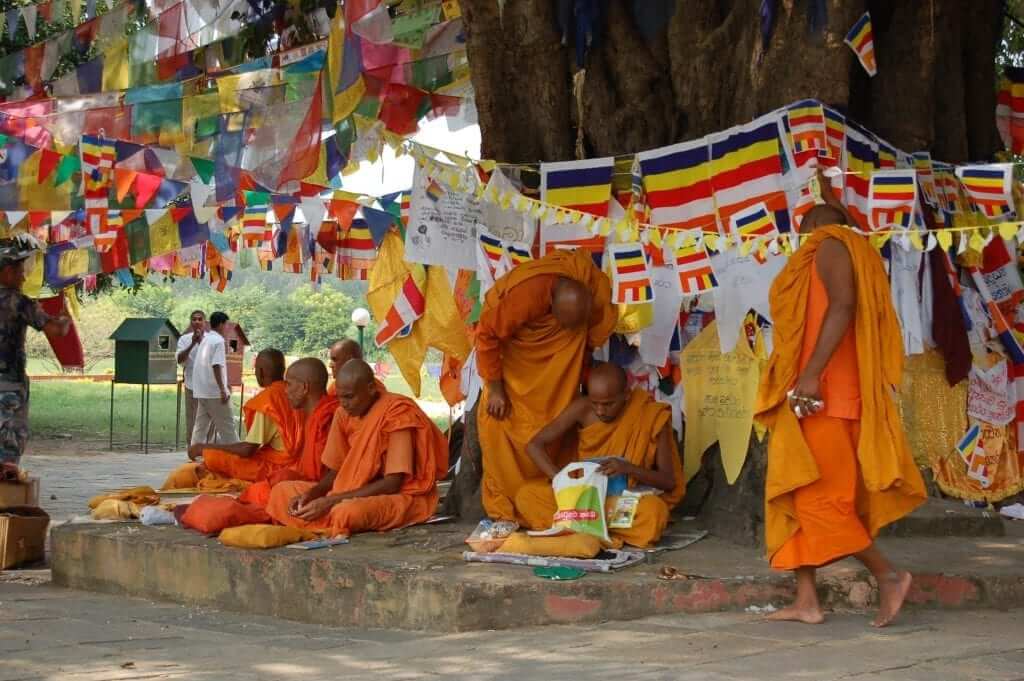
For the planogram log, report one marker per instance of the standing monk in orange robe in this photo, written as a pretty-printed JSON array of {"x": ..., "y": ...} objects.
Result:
[
  {"x": 612, "y": 421},
  {"x": 839, "y": 467},
  {"x": 537, "y": 328},
  {"x": 306, "y": 388},
  {"x": 272, "y": 440},
  {"x": 384, "y": 457},
  {"x": 339, "y": 354}
]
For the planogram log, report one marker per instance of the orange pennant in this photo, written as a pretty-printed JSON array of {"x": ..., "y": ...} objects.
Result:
[
  {"x": 343, "y": 211},
  {"x": 123, "y": 178}
]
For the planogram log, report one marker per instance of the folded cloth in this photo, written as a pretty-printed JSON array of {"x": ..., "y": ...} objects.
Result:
[
  {"x": 141, "y": 496},
  {"x": 574, "y": 545},
  {"x": 264, "y": 536},
  {"x": 116, "y": 509}
]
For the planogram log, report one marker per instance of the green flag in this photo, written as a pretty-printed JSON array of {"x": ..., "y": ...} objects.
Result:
[{"x": 204, "y": 168}]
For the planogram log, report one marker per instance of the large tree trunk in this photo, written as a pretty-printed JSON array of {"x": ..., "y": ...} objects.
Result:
[{"x": 705, "y": 72}]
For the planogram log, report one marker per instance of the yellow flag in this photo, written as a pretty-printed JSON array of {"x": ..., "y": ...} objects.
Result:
[
  {"x": 163, "y": 235},
  {"x": 73, "y": 262},
  {"x": 116, "y": 73},
  {"x": 34, "y": 276},
  {"x": 346, "y": 88}
]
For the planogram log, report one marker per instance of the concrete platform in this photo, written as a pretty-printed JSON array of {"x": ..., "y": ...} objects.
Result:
[{"x": 415, "y": 579}]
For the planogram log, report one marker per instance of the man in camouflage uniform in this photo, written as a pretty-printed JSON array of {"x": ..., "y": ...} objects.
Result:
[{"x": 17, "y": 313}]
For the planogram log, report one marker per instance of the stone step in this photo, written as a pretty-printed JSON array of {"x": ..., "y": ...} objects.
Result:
[
  {"x": 944, "y": 518},
  {"x": 416, "y": 579}
]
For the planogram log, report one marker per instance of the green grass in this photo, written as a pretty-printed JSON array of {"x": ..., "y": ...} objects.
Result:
[{"x": 81, "y": 410}]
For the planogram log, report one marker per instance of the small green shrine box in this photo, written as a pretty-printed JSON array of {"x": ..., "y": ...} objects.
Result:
[
  {"x": 235, "y": 344},
  {"x": 144, "y": 352}
]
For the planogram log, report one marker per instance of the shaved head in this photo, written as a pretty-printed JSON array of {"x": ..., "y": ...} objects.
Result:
[
  {"x": 269, "y": 367},
  {"x": 341, "y": 352},
  {"x": 607, "y": 391},
  {"x": 356, "y": 387},
  {"x": 306, "y": 383},
  {"x": 571, "y": 303},
  {"x": 822, "y": 215}
]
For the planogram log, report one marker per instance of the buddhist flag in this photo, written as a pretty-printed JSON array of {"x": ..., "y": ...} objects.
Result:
[
  {"x": 585, "y": 186},
  {"x": 518, "y": 253},
  {"x": 677, "y": 182},
  {"x": 835, "y": 137},
  {"x": 746, "y": 171},
  {"x": 887, "y": 156},
  {"x": 409, "y": 306},
  {"x": 493, "y": 252},
  {"x": 990, "y": 188},
  {"x": 254, "y": 225},
  {"x": 631, "y": 278},
  {"x": 969, "y": 442},
  {"x": 860, "y": 162},
  {"x": 861, "y": 40},
  {"x": 357, "y": 244},
  {"x": 806, "y": 124},
  {"x": 693, "y": 265},
  {"x": 754, "y": 223},
  {"x": 947, "y": 188},
  {"x": 893, "y": 197},
  {"x": 1010, "y": 109},
  {"x": 926, "y": 177}
]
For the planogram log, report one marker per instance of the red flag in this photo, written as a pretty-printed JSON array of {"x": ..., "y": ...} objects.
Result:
[
  {"x": 305, "y": 151},
  {"x": 400, "y": 108},
  {"x": 146, "y": 186},
  {"x": 343, "y": 211},
  {"x": 48, "y": 162},
  {"x": 68, "y": 349}
]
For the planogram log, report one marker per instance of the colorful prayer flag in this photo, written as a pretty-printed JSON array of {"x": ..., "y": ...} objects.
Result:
[
  {"x": 585, "y": 186},
  {"x": 835, "y": 137},
  {"x": 926, "y": 177},
  {"x": 990, "y": 188},
  {"x": 861, "y": 41},
  {"x": 746, "y": 170},
  {"x": 639, "y": 211},
  {"x": 409, "y": 306},
  {"x": 254, "y": 225},
  {"x": 860, "y": 162},
  {"x": 756, "y": 222},
  {"x": 971, "y": 439},
  {"x": 893, "y": 196},
  {"x": 693, "y": 265},
  {"x": 678, "y": 185},
  {"x": 631, "y": 278},
  {"x": 806, "y": 123},
  {"x": 518, "y": 253},
  {"x": 357, "y": 243}
]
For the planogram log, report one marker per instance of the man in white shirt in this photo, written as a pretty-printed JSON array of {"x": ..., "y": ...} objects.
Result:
[
  {"x": 188, "y": 346},
  {"x": 210, "y": 387}
]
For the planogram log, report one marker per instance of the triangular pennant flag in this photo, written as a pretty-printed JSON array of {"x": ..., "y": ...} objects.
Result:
[
  {"x": 204, "y": 168},
  {"x": 48, "y": 161},
  {"x": 283, "y": 211},
  {"x": 314, "y": 210},
  {"x": 123, "y": 179},
  {"x": 12, "y": 24},
  {"x": 199, "y": 192},
  {"x": 146, "y": 186},
  {"x": 69, "y": 165},
  {"x": 379, "y": 222},
  {"x": 29, "y": 13}
]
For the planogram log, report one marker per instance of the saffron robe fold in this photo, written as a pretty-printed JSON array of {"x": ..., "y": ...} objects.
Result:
[
  {"x": 309, "y": 466},
  {"x": 272, "y": 402},
  {"x": 357, "y": 450},
  {"x": 890, "y": 484},
  {"x": 633, "y": 436},
  {"x": 519, "y": 341}
]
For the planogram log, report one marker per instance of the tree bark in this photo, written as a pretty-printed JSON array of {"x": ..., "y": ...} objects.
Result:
[{"x": 463, "y": 498}]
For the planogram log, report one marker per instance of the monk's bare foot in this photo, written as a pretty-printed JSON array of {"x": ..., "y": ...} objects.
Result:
[
  {"x": 795, "y": 613},
  {"x": 892, "y": 591}
]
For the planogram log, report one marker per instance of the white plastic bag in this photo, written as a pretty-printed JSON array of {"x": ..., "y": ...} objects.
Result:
[{"x": 580, "y": 491}]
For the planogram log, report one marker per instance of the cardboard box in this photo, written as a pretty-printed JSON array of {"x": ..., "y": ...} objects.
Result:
[
  {"x": 22, "y": 535},
  {"x": 19, "y": 493}
]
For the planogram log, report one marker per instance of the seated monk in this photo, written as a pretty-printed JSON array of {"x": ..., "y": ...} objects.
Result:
[
  {"x": 612, "y": 421},
  {"x": 538, "y": 325},
  {"x": 339, "y": 354},
  {"x": 306, "y": 387},
  {"x": 384, "y": 457},
  {"x": 272, "y": 439}
]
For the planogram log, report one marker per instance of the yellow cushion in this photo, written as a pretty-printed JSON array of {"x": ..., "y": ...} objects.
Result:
[
  {"x": 574, "y": 545},
  {"x": 264, "y": 536}
]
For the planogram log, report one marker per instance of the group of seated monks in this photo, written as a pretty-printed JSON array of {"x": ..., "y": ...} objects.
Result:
[{"x": 355, "y": 457}]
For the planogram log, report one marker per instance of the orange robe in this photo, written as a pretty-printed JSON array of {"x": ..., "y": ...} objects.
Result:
[
  {"x": 272, "y": 402},
  {"x": 519, "y": 341},
  {"x": 309, "y": 466},
  {"x": 836, "y": 478},
  {"x": 357, "y": 449},
  {"x": 633, "y": 436}
]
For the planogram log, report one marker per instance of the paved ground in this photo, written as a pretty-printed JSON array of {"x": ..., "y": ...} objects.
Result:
[
  {"x": 47, "y": 633},
  {"x": 71, "y": 473}
]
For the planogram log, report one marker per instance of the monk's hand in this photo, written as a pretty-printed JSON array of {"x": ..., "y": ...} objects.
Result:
[
  {"x": 805, "y": 398},
  {"x": 194, "y": 452},
  {"x": 315, "y": 509},
  {"x": 498, "y": 405},
  {"x": 613, "y": 467}
]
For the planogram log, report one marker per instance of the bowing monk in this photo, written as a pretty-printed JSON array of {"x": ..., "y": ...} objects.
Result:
[
  {"x": 537, "y": 328},
  {"x": 383, "y": 459},
  {"x": 272, "y": 440},
  {"x": 339, "y": 354},
  {"x": 839, "y": 467},
  {"x": 612, "y": 421},
  {"x": 306, "y": 389}
]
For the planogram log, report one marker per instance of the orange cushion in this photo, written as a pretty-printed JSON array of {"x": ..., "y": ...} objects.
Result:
[{"x": 211, "y": 514}]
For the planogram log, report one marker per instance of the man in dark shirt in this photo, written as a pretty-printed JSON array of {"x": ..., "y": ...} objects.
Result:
[{"x": 17, "y": 313}]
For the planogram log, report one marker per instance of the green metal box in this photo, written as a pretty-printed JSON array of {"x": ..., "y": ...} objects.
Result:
[{"x": 145, "y": 352}]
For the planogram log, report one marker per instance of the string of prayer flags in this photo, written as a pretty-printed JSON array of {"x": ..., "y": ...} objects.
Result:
[
  {"x": 859, "y": 161},
  {"x": 754, "y": 226},
  {"x": 693, "y": 265},
  {"x": 990, "y": 188},
  {"x": 862, "y": 41},
  {"x": 835, "y": 137},
  {"x": 893, "y": 196},
  {"x": 631, "y": 277},
  {"x": 678, "y": 186},
  {"x": 1010, "y": 109},
  {"x": 584, "y": 186},
  {"x": 409, "y": 306},
  {"x": 922, "y": 161},
  {"x": 746, "y": 170}
]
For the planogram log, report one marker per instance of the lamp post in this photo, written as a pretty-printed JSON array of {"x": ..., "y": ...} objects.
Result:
[{"x": 361, "y": 317}]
